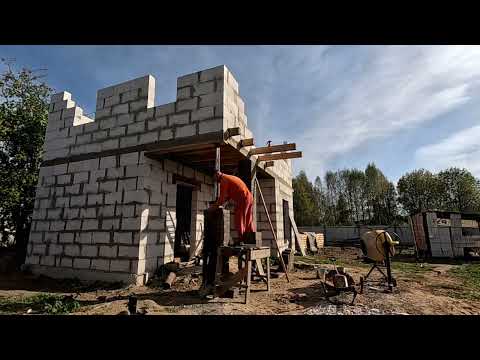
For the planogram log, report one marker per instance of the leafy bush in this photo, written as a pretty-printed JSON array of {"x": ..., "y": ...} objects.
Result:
[{"x": 42, "y": 303}]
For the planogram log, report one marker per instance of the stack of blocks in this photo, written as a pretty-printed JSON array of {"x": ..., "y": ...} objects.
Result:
[{"x": 104, "y": 211}]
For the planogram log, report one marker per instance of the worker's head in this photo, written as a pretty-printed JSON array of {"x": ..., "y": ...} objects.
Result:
[{"x": 217, "y": 175}]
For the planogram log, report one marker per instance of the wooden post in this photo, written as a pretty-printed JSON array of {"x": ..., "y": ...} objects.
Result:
[
  {"x": 268, "y": 274},
  {"x": 249, "y": 277},
  {"x": 254, "y": 194},
  {"x": 246, "y": 172},
  {"x": 273, "y": 231},
  {"x": 216, "y": 185},
  {"x": 410, "y": 222},
  {"x": 297, "y": 235}
]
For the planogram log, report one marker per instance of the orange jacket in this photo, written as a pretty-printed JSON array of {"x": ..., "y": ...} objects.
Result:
[{"x": 232, "y": 188}]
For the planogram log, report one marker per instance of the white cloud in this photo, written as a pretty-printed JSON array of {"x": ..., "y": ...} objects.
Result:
[
  {"x": 330, "y": 100},
  {"x": 393, "y": 88},
  {"x": 461, "y": 149}
]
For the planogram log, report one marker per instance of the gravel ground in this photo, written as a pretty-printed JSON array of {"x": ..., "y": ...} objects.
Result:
[{"x": 348, "y": 310}]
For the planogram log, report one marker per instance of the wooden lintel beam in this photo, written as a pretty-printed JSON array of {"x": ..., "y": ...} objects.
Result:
[
  {"x": 231, "y": 132},
  {"x": 184, "y": 179},
  {"x": 290, "y": 155},
  {"x": 246, "y": 142},
  {"x": 197, "y": 159},
  {"x": 272, "y": 149}
]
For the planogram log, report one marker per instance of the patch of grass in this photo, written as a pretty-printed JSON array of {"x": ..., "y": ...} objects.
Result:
[
  {"x": 469, "y": 275},
  {"x": 42, "y": 303},
  {"x": 313, "y": 259},
  {"x": 410, "y": 268}
]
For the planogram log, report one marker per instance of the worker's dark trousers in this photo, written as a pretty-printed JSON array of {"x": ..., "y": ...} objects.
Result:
[{"x": 244, "y": 216}]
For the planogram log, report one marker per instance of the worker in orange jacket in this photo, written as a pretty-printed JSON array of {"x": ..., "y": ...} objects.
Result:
[{"x": 233, "y": 188}]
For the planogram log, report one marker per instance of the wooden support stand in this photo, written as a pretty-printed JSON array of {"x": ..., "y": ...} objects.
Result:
[{"x": 246, "y": 255}]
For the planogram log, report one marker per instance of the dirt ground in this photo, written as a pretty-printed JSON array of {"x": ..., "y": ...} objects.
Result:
[{"x": 421, "y": 289}]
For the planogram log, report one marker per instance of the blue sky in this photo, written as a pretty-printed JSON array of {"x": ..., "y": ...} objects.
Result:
[{"x": 402, "y": 107}]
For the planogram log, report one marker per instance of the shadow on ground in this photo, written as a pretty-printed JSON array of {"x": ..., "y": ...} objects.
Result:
[
  {"x": 162, "y": 297},
  {"x": 25, "y": 282}
]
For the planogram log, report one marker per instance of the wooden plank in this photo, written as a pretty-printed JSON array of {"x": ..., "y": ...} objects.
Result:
[
  {"x": 204, "y": 159},
  {"x": 445, "y": 241},
  {"x": 432, "y": 230},
  {"x": 259, "y": 265},
  {"x": 272, "y": 149},
  {"x": 183, "y": 144},
  {"x": 151, "y": 149},
  {"x": 246, "y": 142},
  {"x": 419, "y": 232},
  {"x": 290, "y": 155},
  {"x": 456, "y": 234},
  {"x": 410, "y": 222},
  {"x": 268, "y": 274},
  {"x": 194, "y": 182},
  {"x": 469, "y": 223},
  {"x": 249, "y": 279},
  {"x": 260, "y": 254},
  {"x": 231, "y": 132},
  {"x": 297, "y": 235}
]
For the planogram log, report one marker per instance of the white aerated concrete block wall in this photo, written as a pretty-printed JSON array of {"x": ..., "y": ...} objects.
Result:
[{"x": 104, "y": 211}]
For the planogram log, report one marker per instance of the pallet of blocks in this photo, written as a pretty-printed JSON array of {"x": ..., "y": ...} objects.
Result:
[
  {"x": 302, "y": 242},
  {"x": 320, "y": 240}
]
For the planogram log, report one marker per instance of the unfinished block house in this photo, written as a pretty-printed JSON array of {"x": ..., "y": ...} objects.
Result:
[{"x": 123, "y": 193}]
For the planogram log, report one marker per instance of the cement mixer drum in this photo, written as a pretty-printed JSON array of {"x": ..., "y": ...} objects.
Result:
[{"x": 373, "y": 244}]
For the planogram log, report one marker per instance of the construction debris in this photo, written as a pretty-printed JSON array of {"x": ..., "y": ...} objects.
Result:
[
  {"x": 311, "y": 242},
  {"x": 336, "y": 282},
  {"x": 306, "y": 266},
  {"x": 298, "y": 297},
  {"x": 169, "y": 281}
]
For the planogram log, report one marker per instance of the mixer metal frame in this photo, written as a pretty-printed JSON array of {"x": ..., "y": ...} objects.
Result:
[{"x": 391, "y": 281}]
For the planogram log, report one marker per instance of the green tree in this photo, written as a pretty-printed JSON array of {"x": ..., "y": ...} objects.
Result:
[
  {"x": 459, "y": 190},
  {"x": 418, "y": 191},
  {"x": 24, "y": 101},
  {"x": 332, "y": 195},
  {"x": 320, "y": 200},
  {"x": 343, "y": 211},
  {"x": 305, "y": 208},
  {"x": 380, "y": 196},
  {"x": 354, "y": 181}
]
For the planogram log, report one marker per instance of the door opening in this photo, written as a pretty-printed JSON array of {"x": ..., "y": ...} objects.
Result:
[
  {"x": 287, "y": 227},
  {"x": 184, "y": 221}
]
